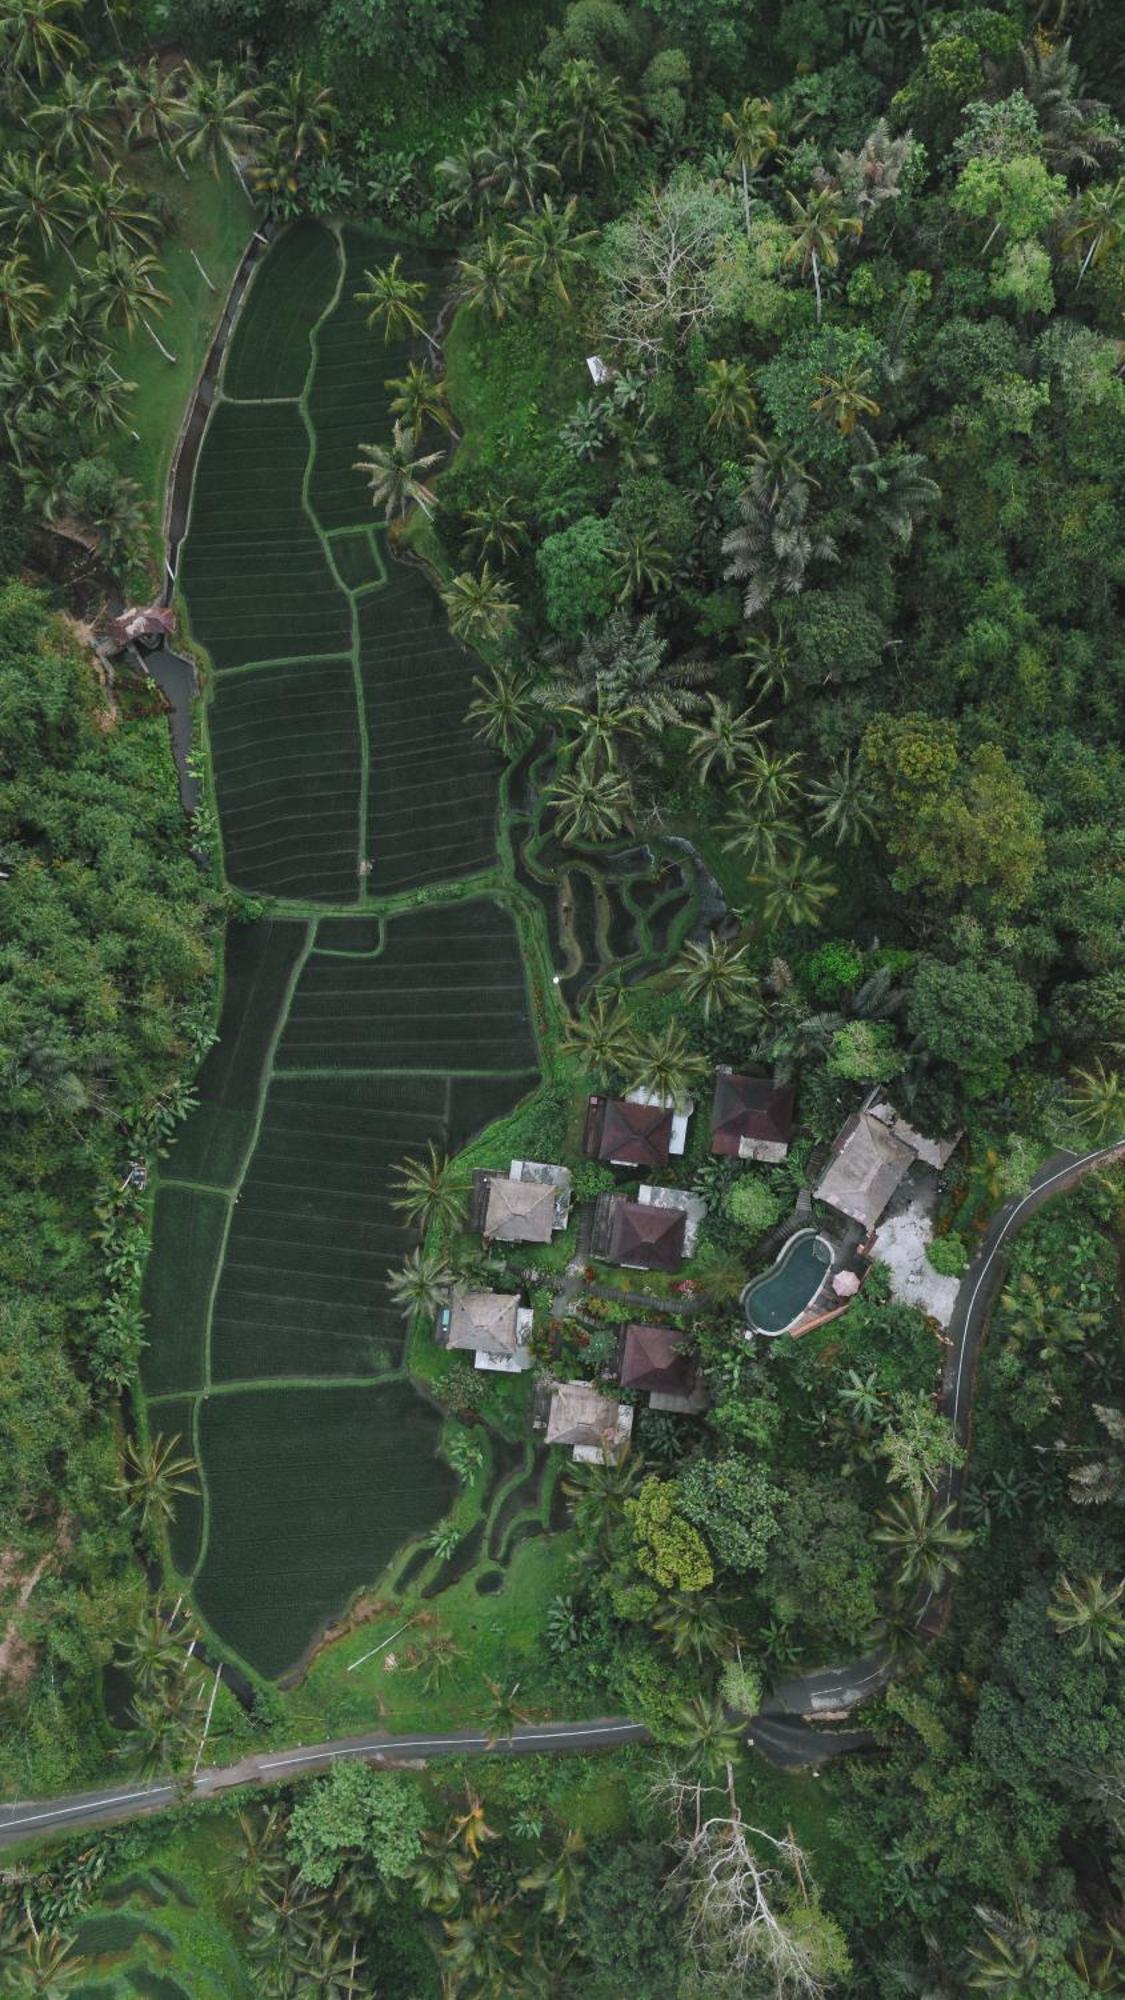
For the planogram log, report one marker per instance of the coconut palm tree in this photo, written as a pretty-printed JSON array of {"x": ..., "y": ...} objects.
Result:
[
  {"x": 432, "y": 1656},
  {"x": 897, "y": 491},
  {"x": 715, "y": 973},
  {"x": 124, "y": 284},
  {"x": 923, "y": 1534},
  {"x": 1005, "y": 1962},
  {"x": 19, "y": 297},
  {"x": 77, "y": 120},
  {"x": 770, "y": 780},
  {"x": 766, "y": 840},
  {"x": 1093, "y": 1611},
  {"x": 1100, "y": 1482},
  {"x": 479, "y": 606},
  {"x": 503, "y": 1714},
  {"x": 600, "y": 1037},
  {"x": 753, "y": 137},
  {"x": 35, "y": 200},
  {"x": 100, "y": 392},
  {"x": 433, "y": 1192},
  {"x": 590, "y": 805},
  {"x": 32, "y": 36},
  {"x": 299, "y": 114},
  {"x": 41, "y": 1963},
  {"x": 488, "y": 281},
  {"x": 150, "y": 1650},
  {"x": 640, "y": 564},
  {"x": 1100, "y": 225},
  {"x": 395, "y": 473},
  {"x": 706, "y": 1733},
  {"x": 547, "y": 247},
  {"x": 471, "y": 1828},
  {"x": 439, "y": 1873},
  {"x": 815, "y": 231},
  {"x": 149, "y": 97},
  {"x": 510, "y": 167},
  {"x": 843, "y": 802},
  {"x": 480, "y": 1946},
  {"x": 502, "y": 712},
  {"x": 216, "y": 119},
  {"x": 843, "y": 398},
  {"x": 495, "y": 526},
  {"x": 1097, "y": 1099},
  {"x": 797, "y": 887},
  {"x": 393, "y": 300},
  {"x": 599, "y": 121},
  {"x": 694, "y": 1626},
  {"x": 420, "y": 1283},
  {"x": 419, "y": 398},
  {"x": 662, "y": 1061},
  {"x": 558, "y": 1878},
  {"x": 723, "y": 741},
  {"x": 769, "y": 665},
  {"x": 726, "y": 395},
  {"x": 111, "y": 216},
  {"x": 153, "y": 1480},
  {"x": 596, "y": 1493}
]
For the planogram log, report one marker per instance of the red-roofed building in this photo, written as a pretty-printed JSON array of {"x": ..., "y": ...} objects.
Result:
[{"x": 751, "y": 1117}]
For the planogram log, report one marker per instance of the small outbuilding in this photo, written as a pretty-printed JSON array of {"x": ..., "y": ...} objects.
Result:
[
  {"x": 653, "y": 1233},
  {"x": 597, "y": 1428},
  {"x": 493, "y": 1326},
  {"x": 145, "y": 627},
  {"x": 627, "y": 1134},
  {"x": 526, "y": 1205},
  {"x": 751, "y": 1117},
  {"x": 653, "y": 1358}
]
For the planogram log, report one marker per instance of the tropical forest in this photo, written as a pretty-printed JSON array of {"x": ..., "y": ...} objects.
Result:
[{"x": 562, "y": 999}]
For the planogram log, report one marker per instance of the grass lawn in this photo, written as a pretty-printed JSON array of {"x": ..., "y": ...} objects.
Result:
[{"x": 212, "y": 217}]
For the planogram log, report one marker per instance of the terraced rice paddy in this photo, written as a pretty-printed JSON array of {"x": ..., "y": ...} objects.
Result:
[{"x": 351, "y": 1032}]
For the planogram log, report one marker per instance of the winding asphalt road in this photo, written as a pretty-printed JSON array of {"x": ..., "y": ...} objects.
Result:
[{"x": 791, "y": 1729}]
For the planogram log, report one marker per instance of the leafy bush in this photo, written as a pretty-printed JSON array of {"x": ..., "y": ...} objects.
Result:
[
  {"x": 948, "y": 1255},
  {"x": 753, "y": 1205}
]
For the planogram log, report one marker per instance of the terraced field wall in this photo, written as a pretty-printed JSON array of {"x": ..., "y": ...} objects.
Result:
[{"x": 379, "y": 1002}]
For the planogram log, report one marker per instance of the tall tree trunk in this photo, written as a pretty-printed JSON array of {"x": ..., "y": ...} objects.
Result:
[
  {"x": 153, "y": 335},
  {"x": 202, "y": 272},
  {"x": 816, "y": 284},
  {"x": 746, "y": 199}
]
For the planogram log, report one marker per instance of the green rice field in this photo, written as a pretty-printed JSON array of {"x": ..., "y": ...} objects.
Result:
[{"x": 356, "y": 1025}]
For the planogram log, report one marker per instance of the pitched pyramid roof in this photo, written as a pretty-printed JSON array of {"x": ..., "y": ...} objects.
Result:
[
  {"x": 750, "y": 1107},
  {"x": 650, "y": 1360},
  {"x": 628, "y": 1134},
  {"x": 484, "y": 1321},
  {"x": 519, "y": 1211},
  {"x": 641, "y": 1233},
  {"x": 580, "y": 1414},
  {"x": 866, "y": 1166}
]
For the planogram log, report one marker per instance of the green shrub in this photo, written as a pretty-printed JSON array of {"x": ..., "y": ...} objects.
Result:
[
  {"x": 576, "y": 571},
  {"x": 753, "y": 1204},
  {"x": 832, "y": 969},
  {"x": 948, "y": 1255}
]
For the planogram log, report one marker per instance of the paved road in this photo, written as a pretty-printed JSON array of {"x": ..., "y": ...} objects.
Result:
[
  {"x": 790, "y": 1729},
  {"x": 27, "y": 1819}
]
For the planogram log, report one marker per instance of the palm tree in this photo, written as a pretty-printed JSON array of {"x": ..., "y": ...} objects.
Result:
[
  {"x": 1097, "y": 1099},
  {"x": 77, "y": 120},
  {"x": 32, "y": 36},
  {"x": 558, "y": 1878},
  {"x": 420, "y": 399},
  {"x": 1091, "y": 1611},
  {"x": 898, "y": 492},
  {"x": 924, "y": 1535},
  {"x": 395, "y": 473},
  {"x": 393, "y": 300},
  {"x": 715, "y": 973},
  {"x": 19, "y": 297},
  {"x": 600, "y": 1037},
  {"x": 299, "y": 114},
  {"x": 547, "y": 247},
  {"x": 432, "y": 1192},
  {"x": 488, "y": 280},
  {"x": 435, "y": 1652},
  {"x": 439, "y": 1874},
  {"x": 153, "y": 1480},
  {"x": 168, "y": 1719},
  {"x": 35, "y": 199},
  {"x": 420, "y": 1283},
  {"x": 599, "y": 121},
  {"x": 769, "y": 780},
  {"x": 150, "y": 1649},
  {"x": 797, "y": 887},
  {"x": 817, "y": 226},
  {"x": 150, "y": 97},
  {"x": 1040, "y": 1317},
  {"x": 776, "y": 539},
  {"x": 216, "y": 119},
  {"x": 125, "y": 286},
  {"x": 844, "y": 399},
  {"x": 1100, "y": 1482},
  {"x": 100, "y": 392},
  {"x": 590, "y": 806},
  {"x": 753, "y": 137},
  {"x": 111, "y": 217},
  {"x": 663, "y": 1062},
  {"x": 640, "y": 563},
  {"x": 596, "y": 1493},
  {"x": 42, "y": 1964},
  {"x": 694, "y": 1624},
  {"x": 471, "y": 1828},
  {"x": 862, "y": 1398},
  {"x": 495, "y": 526},
  {"x": 502, "y": 712},
  {"x": 706, "y": 1733},
  {"x": 1006, "y": 1960},
  {"x": 726, "y": 394},
  {"x": 723, "y": 741},
  {"x": 502, "y": 1714},
  {"x": 480, "y": 1945},
  {"x": 1100, "y": 226},
  {"x": 621, "y": 667},
  {"x": 769, "y": 666},
  {"x": 479, "y": 606},
  {"x": 843, "y": 802}
]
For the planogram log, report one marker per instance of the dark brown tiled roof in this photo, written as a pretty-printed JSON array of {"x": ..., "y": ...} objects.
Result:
[
  {"x": 629, "y": 1135},
  {"x": 650, "y": 1360},
  {"x": 750, "y": 1107},
  {"x": 640, "y": 1233}
]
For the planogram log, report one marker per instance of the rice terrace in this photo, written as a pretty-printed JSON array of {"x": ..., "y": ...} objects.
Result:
[{"x": 349, "y": 1036}]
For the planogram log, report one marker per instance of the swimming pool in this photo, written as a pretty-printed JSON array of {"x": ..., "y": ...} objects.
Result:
[{"x": 776, "y": 1301}]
